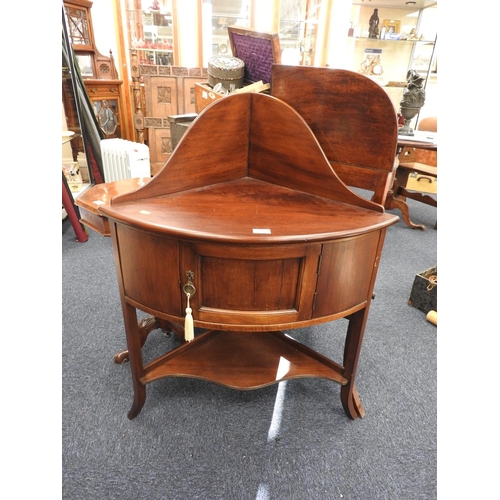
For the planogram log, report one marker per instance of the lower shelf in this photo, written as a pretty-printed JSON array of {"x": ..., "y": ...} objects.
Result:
[{"x": 243, "y": 360}]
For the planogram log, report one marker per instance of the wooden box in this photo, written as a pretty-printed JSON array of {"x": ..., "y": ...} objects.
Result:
[
  {"x": 423, "y": 294},
  {"x": 204, "y": 95},
  {"x": 257, "y": 50},
  {"x": 178, "y": 126},
  {"x": 422, "y": 183}
]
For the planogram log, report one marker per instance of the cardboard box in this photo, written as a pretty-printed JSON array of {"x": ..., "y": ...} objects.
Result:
[{"x": 423, "y": 294}]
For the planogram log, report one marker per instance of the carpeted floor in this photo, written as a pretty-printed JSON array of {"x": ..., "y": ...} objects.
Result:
[{"x": 292, "y": 441}]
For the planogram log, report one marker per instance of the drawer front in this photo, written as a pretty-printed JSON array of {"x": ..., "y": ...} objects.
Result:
[{"x": 110, "y": 91}]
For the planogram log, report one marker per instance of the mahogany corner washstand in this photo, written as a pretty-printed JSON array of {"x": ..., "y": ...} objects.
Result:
[{"x": 248, "y": 221}]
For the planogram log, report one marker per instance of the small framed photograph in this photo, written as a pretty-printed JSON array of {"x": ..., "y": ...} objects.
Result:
[{"x": 392, "y": 26}]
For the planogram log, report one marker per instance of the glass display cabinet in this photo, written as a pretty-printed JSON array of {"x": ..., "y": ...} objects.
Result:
[
  {"x": 406, "y": 39},
  {"x": 150, "y": 31},
  {"x": 98, "y": 71},
  {"x": 298, "y": 29},
  {"x": 227, "y": 13}
]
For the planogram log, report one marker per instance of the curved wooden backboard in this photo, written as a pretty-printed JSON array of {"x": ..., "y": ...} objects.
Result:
[
  {"x": 249, "y": 135},
  {"x": 352, "y": 117}
]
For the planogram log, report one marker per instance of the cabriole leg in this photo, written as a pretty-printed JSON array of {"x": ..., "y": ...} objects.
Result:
[
  {"x": 135, "y": 338},
  {"x": 348, "y": 393}
]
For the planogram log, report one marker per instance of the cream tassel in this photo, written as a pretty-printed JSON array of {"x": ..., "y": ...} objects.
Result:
[{"x": 188, "y": 323}]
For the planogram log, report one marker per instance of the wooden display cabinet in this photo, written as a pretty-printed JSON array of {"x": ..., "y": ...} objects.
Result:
[
  {"x": 105, "y": 98},
  {"x": 98, "y": 71}
]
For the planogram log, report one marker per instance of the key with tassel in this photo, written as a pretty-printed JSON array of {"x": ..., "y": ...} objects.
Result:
[{"x": 189, "y": 290}]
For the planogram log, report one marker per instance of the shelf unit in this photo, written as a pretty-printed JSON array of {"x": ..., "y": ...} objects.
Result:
[
  {"x": 298, "y": 35},
  {"x": 388, "y": 61},
  {"x": 412, "y": 45}
]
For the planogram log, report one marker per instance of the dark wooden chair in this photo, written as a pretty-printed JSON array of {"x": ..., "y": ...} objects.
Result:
[{"x": 353, "y": 119}]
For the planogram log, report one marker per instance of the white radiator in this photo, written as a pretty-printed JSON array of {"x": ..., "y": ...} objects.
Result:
[{"x": 122, "y": 159}]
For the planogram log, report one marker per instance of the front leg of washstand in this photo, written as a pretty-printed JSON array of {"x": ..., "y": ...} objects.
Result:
[
  {"x": 134, "y": 345},
  {"x": 348, "y": 393}
]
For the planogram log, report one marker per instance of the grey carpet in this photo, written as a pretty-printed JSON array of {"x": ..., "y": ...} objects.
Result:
[{"x": 292, "y": 441}]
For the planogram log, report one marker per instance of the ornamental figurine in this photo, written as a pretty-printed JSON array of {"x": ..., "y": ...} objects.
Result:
[
  {"x": 414, "y": 92},
  {"x": 412, "y": 100},
  {"x": 374, "y": 21}
]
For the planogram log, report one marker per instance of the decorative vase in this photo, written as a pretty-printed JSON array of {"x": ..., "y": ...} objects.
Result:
[
  {"x": 412, "y": 100},
  {"x": 408, "y": 114}
]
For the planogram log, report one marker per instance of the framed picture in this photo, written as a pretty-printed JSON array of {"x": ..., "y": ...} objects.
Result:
[
  {"x": 392, "y": 26},
  {"x": 215, "y": 49},
  {"x": 422, "y": 58}
]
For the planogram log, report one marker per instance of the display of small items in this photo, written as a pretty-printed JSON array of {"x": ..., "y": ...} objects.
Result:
[
  {"x": 388, "y": 32},
  {"x": 73, "y": 176},
  {"x": 372, "y": 64}
]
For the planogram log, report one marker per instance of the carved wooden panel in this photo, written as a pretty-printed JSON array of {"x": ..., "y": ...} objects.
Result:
[
  {"x": 160, "y": 147},
  {"x": 188, "y": 93},
  {"x": 161, "y": 96},
  {"x": 168, "y": 91}
]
